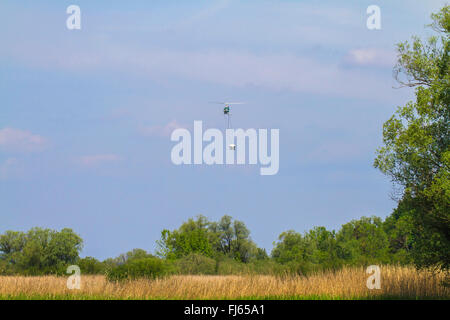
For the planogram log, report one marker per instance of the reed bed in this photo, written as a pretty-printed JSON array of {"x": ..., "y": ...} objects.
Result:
[{"x": 347, "y": 283}]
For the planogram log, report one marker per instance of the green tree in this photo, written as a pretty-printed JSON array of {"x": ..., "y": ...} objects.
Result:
[
  {"x": 11, "y": 245},
  {"x": 40, "y": 250},
  {"x": 225, "y": 238},
  {"x": 322, "y": 248},
  {"x": 232, "y": 239},
  {"x": 90, "y": 265},
  {"x": 191, "y": 237},
  {"x": 363, "y": 242},
  {"x": 293, "y": 251},
  {"x": 128, "y": 256},
  {"x": 291, "y": 246},
  {"x": 416, "y": 139},
  {"x": 399, "y": 227},
  {"x": 63, "y": 247}
]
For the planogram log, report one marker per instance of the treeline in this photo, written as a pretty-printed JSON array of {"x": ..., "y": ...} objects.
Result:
[{"x": 200, "y": 246}]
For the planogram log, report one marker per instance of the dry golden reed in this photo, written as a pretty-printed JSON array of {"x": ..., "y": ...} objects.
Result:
[{"x": 348, "y": 283}]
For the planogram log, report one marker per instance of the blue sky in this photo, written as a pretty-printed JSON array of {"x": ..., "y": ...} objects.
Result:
[{"x": 85, "y": 115}]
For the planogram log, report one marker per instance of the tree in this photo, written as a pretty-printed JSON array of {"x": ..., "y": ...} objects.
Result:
[
  {"x": 128, "y": 256},
  {"x": 363, "y": 242},
  {"x": 399, "y": 227},
  {"x": 416, "y": 139},
  {"x": 227, "y": 237},
  {"x": 232, "y": 239},
  {"x": 11, "y": 244},
  {"x": 90, "y": 265},
  {"x": 322, "y": 248},
  {"x": 291, "y": 246},
  {"x": 191, "y": 237},
  {"x": 224, "y": 234},
  {"x": 40, "y": 250},
  {"x": 63, "y": 246}
]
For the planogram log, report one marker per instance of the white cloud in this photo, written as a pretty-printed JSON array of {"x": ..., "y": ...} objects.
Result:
[
  {"x": 15, "y": 140},
  {"x": 371, "y": 57},
  {"x": 97, "y": 159},
  {"x": 161, "y": 131}
]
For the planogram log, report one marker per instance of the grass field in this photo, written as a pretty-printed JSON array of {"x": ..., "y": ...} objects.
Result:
[{"x": 348, "y": 283}]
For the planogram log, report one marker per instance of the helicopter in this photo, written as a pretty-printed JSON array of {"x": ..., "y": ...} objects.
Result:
[
  {"x": 227, "y": 109},
  {"x": 227, "y": 114}
]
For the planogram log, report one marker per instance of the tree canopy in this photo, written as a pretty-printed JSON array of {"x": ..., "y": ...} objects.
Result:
[
  {"x": 39, "y": 250},
  {"x": 226, "y": 237},
  {"x": 416, "y": 154}
]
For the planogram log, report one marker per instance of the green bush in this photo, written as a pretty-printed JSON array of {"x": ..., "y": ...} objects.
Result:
[
  {"x": 5, "y": 269},
  {"x": 90, "y": 265},
  {"x": 267, "y": 267},
  {"x": 301, "y": 268},
  {"x": 229, "y": 266},
  {"x": 195, "y": 264},
  {"x": 149, "y": 268}
]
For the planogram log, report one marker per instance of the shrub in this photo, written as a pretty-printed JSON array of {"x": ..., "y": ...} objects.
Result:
[
  {"x": 268, "y": 267},
  {"x": 5, "y": 269},
  {"x": 229, "y": 266},
  {"x": 140, "y": 268},
  {"x": 301, "y": 268},
  {"x": 91, "y": 265},
  {"x": 195, "y": 264}
]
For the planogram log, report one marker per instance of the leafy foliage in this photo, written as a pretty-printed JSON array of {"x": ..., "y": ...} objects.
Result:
[
  {"x": 211, "y": 239},
  {"x": 90, "y": 265},
  {"x": 39, "y": 250},
  {"x": 359, "y": 242},
  {"x": 364, "y": 242},
  {"x": 416, "y": 154},
  {"x": 139, "y": 268},
  {"x": 195, "y": 264}
]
